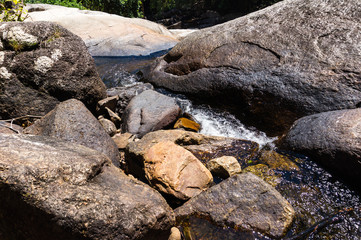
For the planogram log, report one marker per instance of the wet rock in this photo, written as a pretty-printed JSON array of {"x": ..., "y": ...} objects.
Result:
[
  {"x": 108, "y": 34},
  {"x": 149, "y": 111},
  {"x": 10, "y": 128},
  {"x": 332, "y": 139},
  {"x": 125, "y": 94},
  {"x": 108, "y": 126},
  {"x": 224, "y": 167},
  {"x": 187, "y": 124},
  {"x": 52, "y": 189},
  {"x": 175, "y": 171},
  {"x": 277, "y": 161},
  {"x": 72, "y": 121},
  {"x": 203, "y": 147},
  {"x": 264, "y": 172},
  {"x": 243, "y": 201},
  {"x": 42, "y": 64},
  {"x": 123, "y": 139},
  {"x": 283, "y": 62}
]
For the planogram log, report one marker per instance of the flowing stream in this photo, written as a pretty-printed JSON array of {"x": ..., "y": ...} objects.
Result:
[{"x": 316, "y": 196}]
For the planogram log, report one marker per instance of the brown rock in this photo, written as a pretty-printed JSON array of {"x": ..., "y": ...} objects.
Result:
[
  {"x": 175, "y": 171},
  {"x": 203, "y": 147},
  {"x": 187, "y": 124},
  {"x": 224, "y": 167},
  {"x": 123, "y": 139},
  {"x": 243, "y": 201}
]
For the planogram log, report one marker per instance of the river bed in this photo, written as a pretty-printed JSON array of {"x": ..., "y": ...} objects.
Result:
[{"x": 316, "y": 195}]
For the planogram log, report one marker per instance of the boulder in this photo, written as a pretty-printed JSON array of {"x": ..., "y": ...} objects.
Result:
[
  {"x": 175, "y": 171},
  {"x": 72, "y": 121},
  {"x": 289, "y": 60},
  {"x": 126, "y": 93},
  {"x": 243, "y": 201},
  {"x": 52, "y": 189},
  {"x": 107, "y": 34},
  {"x": 203, "y": 147},
  {"x": 332, "y": 139},
  {"x": 42, "y": 64},
  {"x": 149, "y": 111},
  {"x": 224, "y": 167}
]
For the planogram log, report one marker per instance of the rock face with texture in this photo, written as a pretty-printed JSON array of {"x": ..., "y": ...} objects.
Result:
[
  {"x": 175, "y": 171},
  {"x": 107, "y": 34},
  {"x": 243, "y": 201},
  {"x": 224, "y": 167},
  {"x": 149, "y": 111},
  {"x": 52, "y": 189},
  {"x": 289, "y": 60},
  {"x": 203, "y": 147},
  {"x": 331, "y": 138},
  {"x": 72, "y": 121},
  {"x": 126, "y": 93},
  {"x": 42, "y": 64}
]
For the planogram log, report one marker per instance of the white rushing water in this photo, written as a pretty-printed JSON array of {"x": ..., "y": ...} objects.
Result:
[{"x": 216, "y": 123}]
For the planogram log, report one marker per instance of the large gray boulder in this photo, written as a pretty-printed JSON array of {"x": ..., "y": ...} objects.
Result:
[
  {"x": 245, "y": 202},
  {"x": 42, "y": 64},
  {"x": 331, "y": 138},
  {"x": 286, "y": 61},
  {"x": 149, "y": 111},
  {"x": 107, "y": 34},
  {"x": 71, "y": 121},
  {"x": 52, "y": 189}
]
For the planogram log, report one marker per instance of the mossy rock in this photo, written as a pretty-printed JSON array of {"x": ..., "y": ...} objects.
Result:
[
  {"x": 264, "y": 172},
  {"x": 277, "y": 161}
]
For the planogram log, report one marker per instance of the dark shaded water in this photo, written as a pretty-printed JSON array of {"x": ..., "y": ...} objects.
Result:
[{"x": 315, "y": 195}]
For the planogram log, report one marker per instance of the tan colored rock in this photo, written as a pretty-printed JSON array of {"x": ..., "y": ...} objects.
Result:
[
  {"x": 108, "y": 126},
  {"x": 224, "y": 167},
  {"x": 175, "y": 234},
  {"x": 175, "y": 171},
  {"x": 122, "y": 139},
  {"x": 187, "y": 124}
]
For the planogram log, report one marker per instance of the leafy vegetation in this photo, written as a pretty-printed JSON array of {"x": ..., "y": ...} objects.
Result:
[
  {"x": 65, "y": 3},
  {"x": 12, "y": 10}
]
